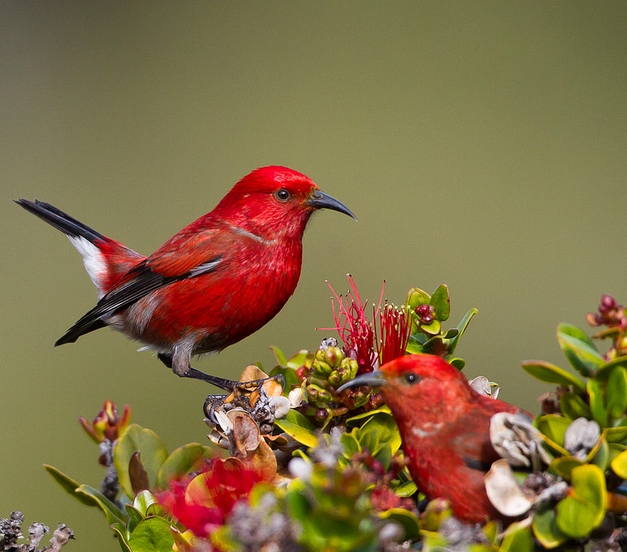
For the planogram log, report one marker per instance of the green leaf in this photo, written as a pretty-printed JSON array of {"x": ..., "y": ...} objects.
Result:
[
  {"x": 152, "y": 534},
  {"x": 414, "y": 345},
  {"x": 120, "y": 533},
  {"x": 70, "y": 486},
  {"x": 597, "y": 402},
  {"x": 111, "y": 511},
  {"x": 299, "y": 359},
  {"x": 134, "y": 517},
  {"x": 545, "y": 527},
  {"x": 441, "y": 302},
  {"x": 350, "y": 443},
  {"x": 616, "y": 392},
  {"x": 298, "y": 505},
  {"x": 280, "y": 357},
  {"x": 549, "y": 373},
  {"x": 576, "y": 333},
  {"x": 579, "y": 349},
  {"x": 183, "y": 460},
  {"x": 564, "y": 466},
  {"x": 600, "y": 455},
  {"x": 606, "y": 369},
  {"x": 615, "y": 450},
  {"x": 619, "y": 465},
  {"x": 461, "y": 328},
  {"x": 143, "y": 501},
  {"x": 153, "y": 454},
  {"x": 491, "y": 530},
  {"x": 406, "y": 519},
  {"x": 380, "y": 428},
  {"x": 457, "y": 363},
  {"x": 406, "y": 489},
  {"x": 417, "y": 297},
  {"x": 615, "y": 434},
  {"x": 584, "y": 508},
  {"x": 433, "y": 328},
  {"x": 365, "y": 415},
  {"x": 299, "y": 428},
  {"x": 518, "y": 538},
  {"x": 554, "y": 427},
  {"x": 573, "y": 406}
]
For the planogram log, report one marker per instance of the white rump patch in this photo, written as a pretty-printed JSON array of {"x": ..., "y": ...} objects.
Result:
[{"x": 93, "y": 260}]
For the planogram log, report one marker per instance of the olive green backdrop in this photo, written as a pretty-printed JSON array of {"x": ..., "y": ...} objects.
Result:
[{"x": 481, "y": 144}]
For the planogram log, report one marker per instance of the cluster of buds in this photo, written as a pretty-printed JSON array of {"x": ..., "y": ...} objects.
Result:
[
  {"x": 609, "y": 314},
  {"x": 331, "y": 365},
  {"x": 330, "y": 369},
  {"x": 105, "y": 430},
  {"x": 107, "y": 426},
  {"x": 327, "y": 370},
  {"x": 425, "y": 314},
  {"x": 614, "y": 316}
]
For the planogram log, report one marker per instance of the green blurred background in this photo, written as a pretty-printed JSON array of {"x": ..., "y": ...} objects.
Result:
[{"x": 482, "y": 145}]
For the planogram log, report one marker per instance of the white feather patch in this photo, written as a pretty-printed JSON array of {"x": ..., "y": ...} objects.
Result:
[{"x": 93, "y": 260}]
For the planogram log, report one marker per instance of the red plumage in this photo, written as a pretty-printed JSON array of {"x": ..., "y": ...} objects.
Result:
[
  {"x": 215, "y": 282},
  {"x": 444, "y": 425}
]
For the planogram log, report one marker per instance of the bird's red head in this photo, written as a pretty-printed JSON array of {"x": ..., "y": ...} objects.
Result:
[
  {"x": 427, "y": 380},
  {"x": 419, "y": 386},
  {"x": 412, "y": 369},
  {"x": 275, "y": 201}
]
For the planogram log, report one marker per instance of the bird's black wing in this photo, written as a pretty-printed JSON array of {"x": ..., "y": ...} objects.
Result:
[{"x": 143, "y": 281}]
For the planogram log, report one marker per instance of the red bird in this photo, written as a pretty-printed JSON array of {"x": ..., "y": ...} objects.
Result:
[
  {"x": 444, "y": 424},
  {"x": 215, "y": 282}
]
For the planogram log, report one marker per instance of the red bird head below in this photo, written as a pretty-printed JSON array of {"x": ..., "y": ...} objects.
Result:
[
  {"x": 275, "y": 201},
  {"x": 420, "y": 384},
  {"x": 445, "y": 428}
]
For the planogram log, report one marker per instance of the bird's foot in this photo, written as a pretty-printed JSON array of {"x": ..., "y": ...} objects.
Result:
[{"x": 222, "y": 383}]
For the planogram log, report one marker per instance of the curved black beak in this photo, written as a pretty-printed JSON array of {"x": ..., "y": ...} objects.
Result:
[
  {"x": 320, "y": 200},
  {"x": 373, "y": 379}
]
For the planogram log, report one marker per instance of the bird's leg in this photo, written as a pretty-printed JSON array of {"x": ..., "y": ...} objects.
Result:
[{"x": 222, "y": 383}]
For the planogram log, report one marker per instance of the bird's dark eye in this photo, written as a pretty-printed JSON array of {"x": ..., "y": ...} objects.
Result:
[
  {"x": 282, "y": 194},
  {"x": 411, "y": 378}
]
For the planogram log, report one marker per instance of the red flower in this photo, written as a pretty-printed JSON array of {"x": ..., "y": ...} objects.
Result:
[
  {"x": 205, "y": 502},
  {"x": 370, "y": 342}
]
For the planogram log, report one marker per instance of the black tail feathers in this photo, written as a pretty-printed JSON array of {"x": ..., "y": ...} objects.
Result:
[{"x": 60, "y": 220}]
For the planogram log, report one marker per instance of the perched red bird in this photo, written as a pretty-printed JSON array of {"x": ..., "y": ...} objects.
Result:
[
  {"x": 215, "y": 282},
  {"x": 444, "y": 425}
]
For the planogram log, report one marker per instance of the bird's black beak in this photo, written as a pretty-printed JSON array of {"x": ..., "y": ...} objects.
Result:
[
  {"x": 373, "y": 379},
  {"x": 320, "y": 200}
]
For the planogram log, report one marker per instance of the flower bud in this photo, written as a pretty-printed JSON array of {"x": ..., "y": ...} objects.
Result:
[
  {"x": 352, "y": 367},
  {"x": 335, "y": 378},
  {"x": 321, "y": 368},
  {"x": 107, "y": 426},
  {"x": 333, "y": 356},
  {"x": 607, "y": 303},
  {"x": 316, "y": 393},
  {"x": 360, "y": 398},
  {"x": 425, "y": 313}
]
